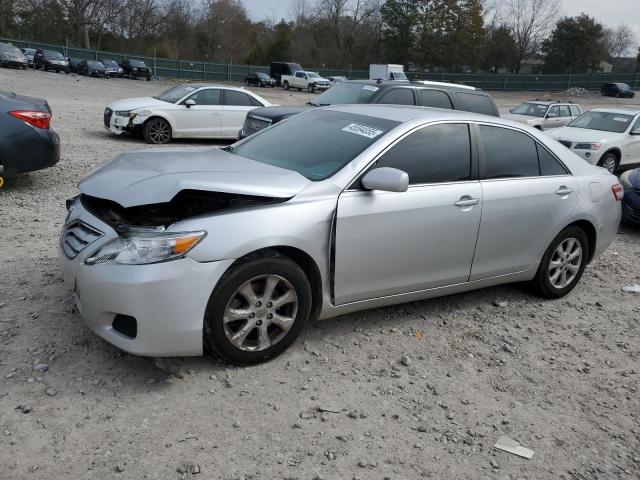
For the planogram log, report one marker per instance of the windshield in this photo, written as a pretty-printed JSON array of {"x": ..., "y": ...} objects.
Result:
[
  {"x": 530, "y": 109},
  {"x": 262, "y": 75},
  {"x": 111, "y": 63},
  {"x": 313, "y": 75},
  {"x": 137, "y": 63},
  {"x": 54, "y": 55},
  {"x": 29, "y": 51},
  {"x": 605, "y": 121},
  {"x": 176, "y": 93},
  {"x": 9, "y": 49},
  {"x": 623, "y": 86},
  {"x": 300, "y": 144},
  {"x": 94, "y": 64},
  {"x": 347, "y": 93}
]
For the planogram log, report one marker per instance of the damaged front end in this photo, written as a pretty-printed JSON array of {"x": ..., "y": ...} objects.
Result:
[
  {"x": 186, "y": 204},
  {"x": 143, "y": 237}
]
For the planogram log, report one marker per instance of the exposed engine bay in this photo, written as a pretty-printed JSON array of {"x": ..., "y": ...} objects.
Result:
[{"x": 186, "y": 204}]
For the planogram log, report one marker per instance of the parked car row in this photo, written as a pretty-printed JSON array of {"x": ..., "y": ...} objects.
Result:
[{"x": 11, "y": 56}]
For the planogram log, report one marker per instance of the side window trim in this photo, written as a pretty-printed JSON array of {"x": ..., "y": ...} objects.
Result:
[
  {"x": 554, "y": 156},
  {"x": 354, "y": 184}
]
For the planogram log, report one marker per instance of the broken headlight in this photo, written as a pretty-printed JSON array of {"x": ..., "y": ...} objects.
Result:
[{"x": 145, "y": 248}]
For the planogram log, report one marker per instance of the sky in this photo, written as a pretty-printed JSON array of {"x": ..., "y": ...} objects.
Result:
[{"x": 609, "y": 12}]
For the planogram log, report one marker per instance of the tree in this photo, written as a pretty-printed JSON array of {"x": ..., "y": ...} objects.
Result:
[
  {"x": 575, "y": 46},
  {"x": 399, "y": 25},
  {"x": 618, "y": 40},
  {"x": 529, "y": 22},
  {"x": 501, "y": 49}
]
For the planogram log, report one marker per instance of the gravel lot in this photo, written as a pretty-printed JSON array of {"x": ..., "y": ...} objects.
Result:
[{"x": 421, "y": 390}]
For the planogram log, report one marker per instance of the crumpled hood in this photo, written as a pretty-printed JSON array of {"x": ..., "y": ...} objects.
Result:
[
  {"x": 582, "y": 135},
  {"x": 146, "y": 177},
  {"x": 134, "y": 103}
]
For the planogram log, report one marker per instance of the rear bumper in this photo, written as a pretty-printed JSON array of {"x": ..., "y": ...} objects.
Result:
[{"x": 29, "y": 150}]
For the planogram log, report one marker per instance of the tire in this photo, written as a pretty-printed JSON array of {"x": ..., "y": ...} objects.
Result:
[
  {"x": 148, "y": 79},
  {"x": 288, "y": 279},
  {"x": 609, "y": 161},
  {"x": 542, "y": 284},
  {"x": 285, "y": 85},
  {"x": 157, "y": 131},
  {"x": 311, "y": 88}
]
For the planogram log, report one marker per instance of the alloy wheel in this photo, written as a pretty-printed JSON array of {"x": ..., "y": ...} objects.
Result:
[
  {"x": 565, "y": 263},
  {"x": 260, "y": 313},
  {"x": 159, "y": 131},
  {"x": 609, "y": 163}
]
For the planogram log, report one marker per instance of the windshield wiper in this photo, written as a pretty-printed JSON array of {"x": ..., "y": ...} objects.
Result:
[{"x": 313, "y": 104}]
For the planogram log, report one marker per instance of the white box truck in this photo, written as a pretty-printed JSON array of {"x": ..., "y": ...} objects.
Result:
[{"x": 386, "y": 72}]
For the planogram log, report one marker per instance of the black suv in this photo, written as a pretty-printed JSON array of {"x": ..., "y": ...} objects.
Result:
[
  {"x": 133, "y": 68},
  {"x": 621, "y": 90},
  {"x": 50, "y": 60},
  {"x": 259, "y": 79},
  {"x": 426, "y": 94}
]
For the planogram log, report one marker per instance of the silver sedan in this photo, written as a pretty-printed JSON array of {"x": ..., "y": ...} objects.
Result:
[{"x": 335, "y": 210}]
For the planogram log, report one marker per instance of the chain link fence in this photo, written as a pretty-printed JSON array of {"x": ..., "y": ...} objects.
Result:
[{"x": 206, "y": 71}]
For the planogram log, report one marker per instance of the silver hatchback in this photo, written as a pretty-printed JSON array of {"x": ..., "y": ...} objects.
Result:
[{"x": 335, "y": 210}]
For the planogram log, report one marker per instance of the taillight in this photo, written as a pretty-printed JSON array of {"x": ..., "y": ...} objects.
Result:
[
  {"x": 618, "y": 192},
  {"x": 33, "y": 118}
]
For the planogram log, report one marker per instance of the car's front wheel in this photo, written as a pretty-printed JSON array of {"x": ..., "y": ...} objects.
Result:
[
  {"x": 157, "y": 131},
  {"x": 285, "y": 85},
  {"x": 311, "y": 88},
  {"x": 563, "y": 263},
  {"x": 258, "y": 309},
  {"x": 610, "y": 162}
]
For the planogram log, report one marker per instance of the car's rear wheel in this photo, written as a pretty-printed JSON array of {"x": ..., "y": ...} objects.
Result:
[
  {"x": 157, "y": 131},
  {"x": 258, "y": 309},
  {"x": 563, "y": 263},
  {"x": 609, "y": 161}
]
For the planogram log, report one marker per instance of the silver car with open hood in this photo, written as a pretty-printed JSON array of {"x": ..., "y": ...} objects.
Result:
[{"x": 335, "y": 210}]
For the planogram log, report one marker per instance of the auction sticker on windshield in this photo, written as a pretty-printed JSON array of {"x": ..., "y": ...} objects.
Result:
[{"x": 362, "y": 130}]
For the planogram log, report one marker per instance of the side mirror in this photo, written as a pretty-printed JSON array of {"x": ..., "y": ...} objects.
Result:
[
  {"x": 635, "y": 131},
  {"x": 386, "y": 179},
  {"x": 190, "y": 103}
]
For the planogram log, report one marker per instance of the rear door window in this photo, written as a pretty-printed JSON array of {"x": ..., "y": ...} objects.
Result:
[
  {"x": 434, "y": 98},
  {"x": 398, "y": 96},
  {"x": 237, "y": 99},
  {"x": 476, "y": 103},
  {"x": 435, "y": 154},
  {"x": 507, "y": 153},
  {"x": 575, "y": 111}
]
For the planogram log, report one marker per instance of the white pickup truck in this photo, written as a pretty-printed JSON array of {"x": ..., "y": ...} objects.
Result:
[{"x": 302, "y": 80}]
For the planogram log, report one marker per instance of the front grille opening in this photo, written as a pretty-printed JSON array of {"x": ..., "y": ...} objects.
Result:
[{"x": 126, "y": 325}]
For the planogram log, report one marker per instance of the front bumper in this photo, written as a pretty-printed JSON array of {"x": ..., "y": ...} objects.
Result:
[
  {"x": 11, "y": 62},
  {"x": 167, "y": 300}
]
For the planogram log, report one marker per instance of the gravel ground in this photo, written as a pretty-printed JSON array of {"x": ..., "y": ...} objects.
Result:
[{"x": 421, "y": 390}]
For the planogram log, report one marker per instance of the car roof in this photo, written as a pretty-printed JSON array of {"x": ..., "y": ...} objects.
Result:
[
  {"x": 216, "y": 85},
  {"x": 404, "y": 113},
  {"x": 550, "y": 102},
  {"x": 421, "y": 84},
  {"x": 620, "y": 110}
]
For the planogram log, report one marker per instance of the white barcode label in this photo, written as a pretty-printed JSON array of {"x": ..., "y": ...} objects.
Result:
[
  {"x": 362, "y": 130},
  {"x": 370, "y": 87}
]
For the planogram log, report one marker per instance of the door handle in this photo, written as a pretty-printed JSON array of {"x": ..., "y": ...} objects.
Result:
[
  {"x": 562, "y": 191},
  {"x": 466, "y": 202}
]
